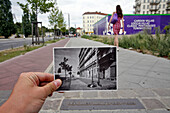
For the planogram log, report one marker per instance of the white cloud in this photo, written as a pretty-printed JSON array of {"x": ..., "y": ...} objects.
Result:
[{"x": 77, "y": 7}]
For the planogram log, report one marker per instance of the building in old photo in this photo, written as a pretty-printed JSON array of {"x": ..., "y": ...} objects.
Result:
[{"x": 98, "y": 64}]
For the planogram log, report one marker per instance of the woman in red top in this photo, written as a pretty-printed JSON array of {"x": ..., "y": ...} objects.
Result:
[{"x": 117, "y": 25}]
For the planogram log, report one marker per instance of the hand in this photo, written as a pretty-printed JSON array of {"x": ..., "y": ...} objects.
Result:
[{"x": 30, "y": 92}]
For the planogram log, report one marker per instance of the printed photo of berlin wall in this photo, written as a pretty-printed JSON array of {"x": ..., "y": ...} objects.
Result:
[{"x": 87, "y": 68}]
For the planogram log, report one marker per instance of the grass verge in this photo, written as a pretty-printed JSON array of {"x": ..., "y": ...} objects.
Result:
[
  {"x": 13, "y": 52},
  {"x": 158, "y": 45}
]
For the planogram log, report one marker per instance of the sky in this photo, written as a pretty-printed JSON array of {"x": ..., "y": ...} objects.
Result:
[
  {"x": 71, "y": 54},
  {"x": 76, "y": 8}
]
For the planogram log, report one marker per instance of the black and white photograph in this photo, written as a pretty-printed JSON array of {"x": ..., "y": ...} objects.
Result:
[{"x": 86, "y": 68}]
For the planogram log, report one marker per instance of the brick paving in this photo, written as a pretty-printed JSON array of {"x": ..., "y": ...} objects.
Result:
[{"x": 34, "y": 61}]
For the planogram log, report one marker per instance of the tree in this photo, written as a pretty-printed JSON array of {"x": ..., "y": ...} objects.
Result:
[
  {"x": 7, "y": 26},
  {"x": 53, "y": 18},
  {"x": 38, "y": 6},
  {"x": 56, "y": 18},
  {"x": 72, "y": 30},
  {"x": 61, "y": 20},
  {"x": 18, "y": 26},
  {"x": 26, "y": 23}
]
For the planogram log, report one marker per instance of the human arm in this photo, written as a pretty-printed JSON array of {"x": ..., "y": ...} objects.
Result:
[
  {"x": 110, "y": 20},
  {"x": 123, "y": 24},
  {"x": 30, "y": 92}
]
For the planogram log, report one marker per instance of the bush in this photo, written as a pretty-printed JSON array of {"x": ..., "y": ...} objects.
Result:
[
  {"x": 86, "y": 36},
  {"x": 159, "y": 44}
]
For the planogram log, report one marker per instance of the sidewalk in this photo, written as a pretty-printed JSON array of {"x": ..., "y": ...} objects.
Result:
[
  {"x": 34, "y": 61},
  {"x": 140, "y": 76}
]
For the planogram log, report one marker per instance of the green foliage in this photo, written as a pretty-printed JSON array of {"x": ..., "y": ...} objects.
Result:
[
  {"x": 56, "y": 19},
  {"x": 53, "y": 17},
  {"x": 26, "y": 23},
  {"x": 72, "y": 30},
  {"x": 8, "y": 54},
  {"x": 36, "y": 7},
  {"x": 7, "y": 26},
  {"x": 85, "y": 36},
  {"x": 158, "y": 44}
]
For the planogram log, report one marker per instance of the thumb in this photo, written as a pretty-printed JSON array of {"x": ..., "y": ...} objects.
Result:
[{"x": 52, "y": 86}]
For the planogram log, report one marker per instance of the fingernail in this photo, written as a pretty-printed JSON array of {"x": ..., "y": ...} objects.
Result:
[{"x": 57, "y": 82}]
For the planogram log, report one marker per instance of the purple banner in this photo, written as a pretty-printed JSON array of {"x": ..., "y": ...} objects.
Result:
[{"x": 134, "y": 24}]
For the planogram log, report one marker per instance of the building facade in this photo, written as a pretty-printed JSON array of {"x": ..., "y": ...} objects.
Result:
[
  {"x": 79, "y": 31},
  {"x": 89, "y": 18},
  {"x": 152, "y": 7},
  {"x": 98, "y": 64}
]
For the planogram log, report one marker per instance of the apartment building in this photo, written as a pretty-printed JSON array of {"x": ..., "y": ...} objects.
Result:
[
  {"x": 152, "y": 7},
  {"x": 99, "y": 65},
  {"x": 89, "y": 18}
]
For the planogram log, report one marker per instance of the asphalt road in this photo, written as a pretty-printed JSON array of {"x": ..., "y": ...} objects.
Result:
[{"x": 13, "y": 43}]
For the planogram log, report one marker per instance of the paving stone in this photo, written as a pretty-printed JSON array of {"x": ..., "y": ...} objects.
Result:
[
  {"x": 158, "y": 111},
  {"x": 90, "y": 94},
  {"x": 4, "y": 94},
  {"x": 149, "y": 82},
  {"x": 126, "y": 93},
  {"x": 130, "y": 111},
  {"x": 144, "y": 93},
  {"x": 106, "y": 111},
  {"x": 57, "y": 95},
  {"x": 108, "y": 94},
  {"x": 153, "y": 104},
  {"x": 72, "y": 94},
  {"x": 48, "y": 111},
  {"x": 86, "y": 111},
  {"x": 51, "y": 105},
  {"x": 166, "y": 101},
  {"x": 163, "y": 92}
]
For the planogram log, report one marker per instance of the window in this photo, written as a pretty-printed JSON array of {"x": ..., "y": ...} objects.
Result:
[
  {"x": 164, "y": 6},
  {"x": 143, "y": 1},
  {"x": 147, "y": 12},
  {"x": 160, "y": 6},
  {"x": 147, "y": 6},
  {"x": 162, "y": 12},
  {"x": 143, "y": 6},
  {"x": 158, "y": 12},
  {"x": 143, "y": 12},
  {"x": 87, "y": 21},
  {"x": 88, "y": 17},
  {"x": 148, "y": 1}
]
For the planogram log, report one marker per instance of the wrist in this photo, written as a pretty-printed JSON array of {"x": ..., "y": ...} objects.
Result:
[{"x": 7, "y": 107}]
